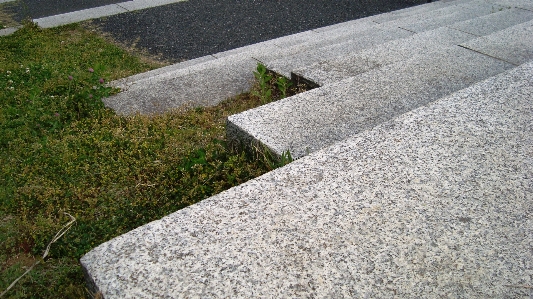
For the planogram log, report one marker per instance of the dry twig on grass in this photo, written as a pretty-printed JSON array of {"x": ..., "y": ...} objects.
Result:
[{"x": 58, "y": 235}]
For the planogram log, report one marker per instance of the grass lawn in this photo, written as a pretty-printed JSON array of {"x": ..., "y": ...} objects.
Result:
[{"x": 62, "y": 151}]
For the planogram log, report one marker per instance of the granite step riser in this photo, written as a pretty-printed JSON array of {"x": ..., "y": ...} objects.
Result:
[{"x": 313, "y": 120}]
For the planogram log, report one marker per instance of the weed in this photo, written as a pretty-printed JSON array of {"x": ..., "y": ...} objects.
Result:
[
  {"x": 263, "y": 79},
  {"x": 283, "y": 85},
  {"x": 272, "y": 87}
]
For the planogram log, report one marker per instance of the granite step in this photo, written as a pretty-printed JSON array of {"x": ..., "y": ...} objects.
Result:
[
  {"x": 312, "y": 120},
  {"x": 339, "y": 68},
  {"x": 434, "y": 203},
  {"x": 304, "y": 54},
  {"x": 523, "y": 4},
  {"x": 514, "y": 45}
]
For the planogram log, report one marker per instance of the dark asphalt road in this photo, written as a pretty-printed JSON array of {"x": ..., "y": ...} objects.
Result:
[{"x": 196, "y": 28}]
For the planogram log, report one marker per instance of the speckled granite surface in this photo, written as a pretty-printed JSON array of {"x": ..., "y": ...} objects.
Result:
[
  {"x": 445, "y": 16},
  {"x": 436, "y": 203},
  {"x": 317, "y": 118}
]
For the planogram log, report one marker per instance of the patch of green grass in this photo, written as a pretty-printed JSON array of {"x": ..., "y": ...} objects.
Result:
[{"x": 62, "y": 151}]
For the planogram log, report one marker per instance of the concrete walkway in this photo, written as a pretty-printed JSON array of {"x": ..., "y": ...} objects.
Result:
[{"x": 420, "y": 186}]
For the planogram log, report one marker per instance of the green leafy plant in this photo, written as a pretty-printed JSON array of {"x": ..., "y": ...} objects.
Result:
[
  {"x": 283, "y": 85},
  {"x": 263, "y": 78}
]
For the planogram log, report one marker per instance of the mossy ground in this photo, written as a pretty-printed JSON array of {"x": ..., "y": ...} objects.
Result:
[{"x": 62, "y": 151}]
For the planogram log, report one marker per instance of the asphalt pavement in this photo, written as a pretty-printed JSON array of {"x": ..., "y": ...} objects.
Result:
[{"x": 196, "y": 28}]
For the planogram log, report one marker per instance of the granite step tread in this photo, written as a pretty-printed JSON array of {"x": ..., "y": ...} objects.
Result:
[
  {"x": 436, "y": 202},
  {"x": 523, "y": 4},
  {"x": 312, "y": 120},
  {"x": 339, "y": 33},
  {"x": 493, "y": 22},
  {"x": 431, "y": 10},
  {"x": 445, "y": 16},
  {"x": 339, "y": 68}
]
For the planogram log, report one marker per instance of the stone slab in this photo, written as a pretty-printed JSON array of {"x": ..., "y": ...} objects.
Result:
[
  {"x": 439, "y": 10},
  {"x": 342, "y": 67},
  {"x": 342, "y": 26},
  {"x": 296, "y": 44},
  {"x": 493, "y": 22},
  {"x": 514, "y": 44},
  {"x": 312, "y": 120},
  {"x": 99, "y": 12},
  {"x": 436, "y": 203},
  {"x": 143, "y": 4},
  {"x": 8, "y": 31},
  {"x": 205, "y": 84},
  {"x": 344, "y": 46}
]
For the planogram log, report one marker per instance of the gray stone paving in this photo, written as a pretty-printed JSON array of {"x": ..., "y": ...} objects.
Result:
[
  {"x": 186, "y": 87},
  {"x": 212, "y": 81},
  {"x": 435, "y": 203},
  {"x": 494, "y": 22}
]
